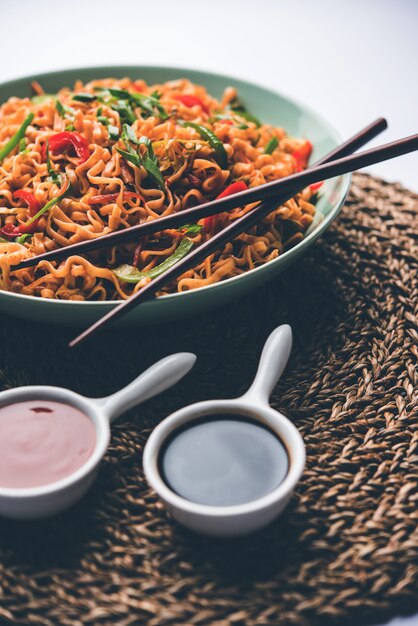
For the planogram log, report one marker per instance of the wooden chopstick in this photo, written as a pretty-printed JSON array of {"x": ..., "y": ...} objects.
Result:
[
  {"x": 337, "y": 167},
  {"x": 193, "y": 214}
]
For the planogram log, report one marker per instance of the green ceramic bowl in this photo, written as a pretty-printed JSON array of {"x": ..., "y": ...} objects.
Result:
[{"x": 271, "y": 107}]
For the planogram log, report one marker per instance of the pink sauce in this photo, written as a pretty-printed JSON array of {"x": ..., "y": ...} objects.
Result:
[{"x": 42, "y": 442}]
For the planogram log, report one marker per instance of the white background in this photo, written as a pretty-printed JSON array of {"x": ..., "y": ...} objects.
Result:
[{"x": 350, "y": 60}]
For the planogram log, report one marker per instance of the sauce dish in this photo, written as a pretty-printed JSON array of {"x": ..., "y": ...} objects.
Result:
[
  {"x": 45, "y": 500},
  {"x": 254, "y": 406}
]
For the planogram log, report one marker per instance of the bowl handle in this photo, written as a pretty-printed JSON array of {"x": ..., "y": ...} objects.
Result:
[
  {"x": 154, "y": 380},
  {"x": 273, "y": 360}
]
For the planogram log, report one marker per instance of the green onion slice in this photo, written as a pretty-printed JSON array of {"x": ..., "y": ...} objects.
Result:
[
  {"x": 130, "y": 274},
  {"x": 271, "y": 145},
  {"x": 17, "y": 137},
  {"x": 213, "y": 140}
]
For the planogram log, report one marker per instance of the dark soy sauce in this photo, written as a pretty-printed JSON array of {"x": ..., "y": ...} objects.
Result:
[{"x": 223, "y": 460}]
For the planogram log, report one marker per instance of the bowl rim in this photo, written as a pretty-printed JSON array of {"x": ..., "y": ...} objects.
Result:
[{"x": 322, "y": 225}]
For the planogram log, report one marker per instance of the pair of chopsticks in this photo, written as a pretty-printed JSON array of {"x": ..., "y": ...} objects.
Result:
[{"x": 271, "y": 195}]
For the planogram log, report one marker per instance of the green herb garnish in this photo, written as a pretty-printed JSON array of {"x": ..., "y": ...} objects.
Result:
[
  {"x": 124, "y": 109},
  {"x": 149, "y": 161},
  {"x": 46, "y": 208},
  {"x": 271, "y": 145},
  {"x": 128, "y": 134},
  {"x": 238, "y": 107},
  {"x": 22, "y": 146},
  {"x": 191, "y": 228},
  {"x": 16, "y": 138},
  {"x": 64, "y": 111},
  {"x": 237, "y": 123},
  {"x": 84, "y": 97},
  {"x": 54, "y": 177},
  {"x": 23, "y": 238},
  {"x": 130, "y": 274},
  {"x": 149, "y": 104},
  {"x": 113, "y": 132},
  {"x": 213, "y": 140},
  {"x": 43, "y": 97}
]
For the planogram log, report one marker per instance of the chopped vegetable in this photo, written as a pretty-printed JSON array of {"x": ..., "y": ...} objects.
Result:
[
  {"x": 124, "y": 109},
  {"x": 16, "y": 138},
  {"x": 315, "y": 186},
  {"x": 64, "y": 111},
  {"x": 23, "y": 238},
  {"x": 148, "y": 161},
  {"x": 43, "y": 97},
  {"x": 191, "y": 228},
  {"x": 227, "y": 119},
  {"x": 84, "y": 97},
  {"x": 238, "y": 107},
  {"x": 271, "y": 145},
  {"x": 233, "y": 188},
  {"x": 22, "y": 145},
  {"x": 191, "y": 101},
  {"x": 54, "y": 177},
  {"x": 149, "y": 104},
  {"x": 128, "y": 134},
  {"x": 111, "y": 197},
  {"x": 45, "y": 208},
  {"x": 301, "y": 155},
  {"x": 130, "y": 274},
  {"x": 113, "y": 132},
  {"x": 214, "y": 141},
  {"x": 62, "y": 141},
  {"x": 11, "y": 231}
]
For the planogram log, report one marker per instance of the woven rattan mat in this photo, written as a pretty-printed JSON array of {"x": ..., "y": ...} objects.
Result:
[{"x": 346, "y": 549}]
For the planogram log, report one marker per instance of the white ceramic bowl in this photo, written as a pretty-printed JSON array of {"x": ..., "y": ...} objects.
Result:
[
  {"x": 35, "y": 502},
  {"x": 239, "y": 519}
]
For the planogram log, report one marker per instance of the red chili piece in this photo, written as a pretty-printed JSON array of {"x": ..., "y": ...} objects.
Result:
[
  {"x": 62, "y": 141},
  {"x": 315, "y": 186},
  {"x": 34, "y": 206},
  {"x": 236, "y": 187},
  {"x": 191, "y": 101},
  {"x": 301, "y": 155}
]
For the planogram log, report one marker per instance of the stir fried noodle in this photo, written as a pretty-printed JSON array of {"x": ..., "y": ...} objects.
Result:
[{"x": 112, "y": 154}]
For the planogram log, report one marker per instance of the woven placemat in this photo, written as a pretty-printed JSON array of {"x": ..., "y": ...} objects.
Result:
[{"x": 346, "y": 549}]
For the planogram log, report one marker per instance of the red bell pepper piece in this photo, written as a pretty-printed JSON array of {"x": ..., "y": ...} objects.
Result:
[
  {"x": 233, "y": 188},
  {"x": 315, "y": 186},
  {"x": 111, "y": 197},
  {"x": 191, "y": 101},
  {"x": 302, "y": 154},
  {"x": 63, "y": 141},
  {"x": 34, "y": 206},
  {"x": 137, "y": 88}
]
